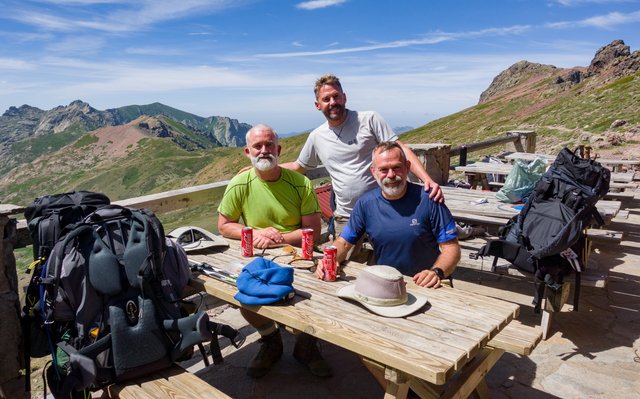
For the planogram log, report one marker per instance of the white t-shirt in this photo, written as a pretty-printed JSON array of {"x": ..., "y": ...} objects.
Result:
[{"x": 345, "y": 151}]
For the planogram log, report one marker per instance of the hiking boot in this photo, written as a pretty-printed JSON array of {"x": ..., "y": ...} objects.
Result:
[
  {"x": 306, "y": 352},
  {"x": 270, "y": 352}
]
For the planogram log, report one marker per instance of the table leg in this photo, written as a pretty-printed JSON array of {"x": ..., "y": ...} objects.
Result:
[{"x": 471, "y": 377}]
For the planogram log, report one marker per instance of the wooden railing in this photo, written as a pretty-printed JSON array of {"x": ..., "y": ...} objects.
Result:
[{"x": 435, "y": 157}]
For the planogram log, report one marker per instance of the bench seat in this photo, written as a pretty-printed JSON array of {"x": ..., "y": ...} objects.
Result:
[
  {"x": 172, "y": 383},
  {"x": 517, "y": 338}
]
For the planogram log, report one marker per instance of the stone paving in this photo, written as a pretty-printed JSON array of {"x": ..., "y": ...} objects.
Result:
[{"x": 592, "y": 353}]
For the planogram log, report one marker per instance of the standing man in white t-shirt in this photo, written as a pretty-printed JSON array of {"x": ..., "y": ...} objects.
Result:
[{"x": 344, "y": 145}]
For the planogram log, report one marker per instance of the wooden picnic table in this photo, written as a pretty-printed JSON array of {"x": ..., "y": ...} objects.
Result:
[
  {"x": 612, "y": 163},
  {"x": 440, "y": 351},
  {"x": 477, "y": 171}
]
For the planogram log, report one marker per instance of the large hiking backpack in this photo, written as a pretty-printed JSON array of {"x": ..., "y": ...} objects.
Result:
[
  {"x": 48, "y": 216},
  {"x": 110, "y": 302},
  {"x": 547, "y": 237}
]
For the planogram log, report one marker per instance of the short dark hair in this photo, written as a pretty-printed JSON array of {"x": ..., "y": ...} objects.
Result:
[
  {"x": 327, "y": 79},
  {"x": 388, "y": 146}
]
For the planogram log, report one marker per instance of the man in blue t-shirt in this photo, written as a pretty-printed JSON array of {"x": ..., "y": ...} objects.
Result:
[{"x": 408, "y": 230}]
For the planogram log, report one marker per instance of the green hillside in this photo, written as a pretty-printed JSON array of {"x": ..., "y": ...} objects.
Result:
[{"x": 560, "y": 118}]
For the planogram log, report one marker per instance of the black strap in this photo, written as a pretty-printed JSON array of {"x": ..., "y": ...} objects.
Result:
[{"x": 576, "y": 291}]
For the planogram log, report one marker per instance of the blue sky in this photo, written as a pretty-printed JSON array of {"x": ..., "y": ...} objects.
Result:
[{"x": 413, "y": 61}]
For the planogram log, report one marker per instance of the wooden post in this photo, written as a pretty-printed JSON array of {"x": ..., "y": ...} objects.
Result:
[
  {"x": 526, "y": 141},
  {"x": 435, "y": 158},
  {"x": 12, "y": 382}
]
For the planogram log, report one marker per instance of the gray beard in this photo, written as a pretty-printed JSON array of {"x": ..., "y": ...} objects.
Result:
[
  {"x": 266, "y": 163},
  {"x": 391, "y": 191}
]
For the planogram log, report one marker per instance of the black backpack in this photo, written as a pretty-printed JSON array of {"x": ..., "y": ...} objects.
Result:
[
  {"x": 110, "y": 303},
  {"x": 48, "y": 216},
  {"x": 546, "y": 238}
]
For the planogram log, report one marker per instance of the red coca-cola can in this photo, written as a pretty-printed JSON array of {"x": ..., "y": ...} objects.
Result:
[
  {"x": 307, "y": 243},
  {"x": 330, "y": 263},
  {"x": 247, "y": 241}
]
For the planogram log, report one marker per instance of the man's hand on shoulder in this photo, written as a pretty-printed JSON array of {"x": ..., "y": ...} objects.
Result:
[
  {"x": 434, "y": 190},
  {"x": 294, "y": 166},
  {"x": 427, "y": 278}
]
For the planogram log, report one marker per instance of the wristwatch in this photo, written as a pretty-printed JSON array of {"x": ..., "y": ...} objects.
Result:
[{"x": 439, "y": 272}]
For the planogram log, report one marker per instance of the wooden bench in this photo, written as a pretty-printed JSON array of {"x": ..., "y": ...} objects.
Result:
[
  {"x": 517, "y": 338},
  {"x": 171, "y": 383}
]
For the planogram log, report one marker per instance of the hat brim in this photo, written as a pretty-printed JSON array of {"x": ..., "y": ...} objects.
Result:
[
  {"x": 208, "y": 240},
  {"x": 413, "y": 304}
]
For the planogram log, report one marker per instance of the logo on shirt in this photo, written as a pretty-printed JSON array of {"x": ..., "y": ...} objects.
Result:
[{"x": 414, "y": 222}]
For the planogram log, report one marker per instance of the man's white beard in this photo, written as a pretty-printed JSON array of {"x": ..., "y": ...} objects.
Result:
[
  {"x": 391, "y": 191},
  {"x": 264, "y": 162}
]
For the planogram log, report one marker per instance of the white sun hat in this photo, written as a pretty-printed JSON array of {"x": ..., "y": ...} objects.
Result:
[
  {"x": 193, "y": 238},
  {"x": 382, "y": 290}
]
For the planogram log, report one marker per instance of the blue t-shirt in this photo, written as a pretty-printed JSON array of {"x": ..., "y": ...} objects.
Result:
[{"x": 405, "y": 232}]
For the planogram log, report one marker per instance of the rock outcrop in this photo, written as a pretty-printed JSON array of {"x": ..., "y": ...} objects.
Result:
[
  {"x": 513, "y": 76},
  {"x": 611, "y": 62}
]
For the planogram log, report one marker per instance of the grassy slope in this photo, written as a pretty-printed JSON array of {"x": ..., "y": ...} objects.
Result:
[{"x": 559, "y": 117}]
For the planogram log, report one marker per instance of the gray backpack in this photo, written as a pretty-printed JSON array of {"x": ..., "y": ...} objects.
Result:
[{"x": 111, "y": 302}]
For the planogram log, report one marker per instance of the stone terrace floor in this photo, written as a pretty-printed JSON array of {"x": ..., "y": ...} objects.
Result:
[{"x": 592, "y": 353}]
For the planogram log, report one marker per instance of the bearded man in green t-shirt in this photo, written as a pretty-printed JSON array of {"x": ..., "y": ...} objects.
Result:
[{"x": 278, "y": 203}]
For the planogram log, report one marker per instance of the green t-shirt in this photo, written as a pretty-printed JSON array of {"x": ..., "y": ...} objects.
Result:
[{"x": 279, "y": 204}]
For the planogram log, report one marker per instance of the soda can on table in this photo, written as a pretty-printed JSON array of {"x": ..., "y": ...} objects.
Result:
[
  {"x": 247, "y": 241},
  {"x": 307, "y": 243},
  {"x": 330, "y": 263}
]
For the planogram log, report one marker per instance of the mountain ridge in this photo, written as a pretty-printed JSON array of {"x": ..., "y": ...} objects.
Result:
[
  {"x": 26, "y": 131},
  {"x": 596, "y": 105}
]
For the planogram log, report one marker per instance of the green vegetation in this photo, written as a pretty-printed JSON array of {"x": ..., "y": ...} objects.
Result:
[
  {"x": 29, "y": 149},
  {"x": 86, "y": 140},
  {"x": 556, "y": 115}
]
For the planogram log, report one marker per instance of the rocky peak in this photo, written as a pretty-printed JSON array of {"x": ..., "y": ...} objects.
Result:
[
  {"x": 515, "y": 75},
  {"x": 152, "y": 126},
  {"x": 614, "y": 61},
  {"x": 23, "y": 111},
  {"x": 77, "y": 112},
  {"x": 607, "y": 55}
]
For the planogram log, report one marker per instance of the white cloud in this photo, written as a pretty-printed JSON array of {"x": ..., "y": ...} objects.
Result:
[
  {"x": 15, "y": 64},
  {"x": 297, "y": 44},
  {"x": 75, "y": 45},
  {"x": 572, "y": 3},
  {"x": 124, "y": 17},
  {"x": 81, "y": 2},
  {"x": 315, "y": 4},
  {"x": 161, "y": 51},
  {"x": 430, "y": 39},
  {"x": 600, "y": 21}
]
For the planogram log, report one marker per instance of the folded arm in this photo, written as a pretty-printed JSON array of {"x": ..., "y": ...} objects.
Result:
[{"x": 269, "y": 236}]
